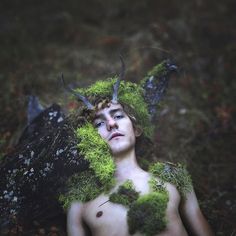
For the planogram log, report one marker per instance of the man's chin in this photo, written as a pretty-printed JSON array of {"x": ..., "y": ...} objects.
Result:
[{"x": 119, "y": 150}]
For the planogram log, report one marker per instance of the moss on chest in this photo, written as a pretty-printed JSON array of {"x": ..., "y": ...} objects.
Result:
[
  {"x": 146, "y": 213},
  {"x": 125, "y": 195}
]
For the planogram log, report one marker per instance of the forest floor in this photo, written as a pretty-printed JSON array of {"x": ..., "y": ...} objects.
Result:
[{"x": 41, "y": 39}]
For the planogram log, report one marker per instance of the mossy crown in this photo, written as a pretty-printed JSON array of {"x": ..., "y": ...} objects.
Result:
[{"x": 129, "y": 94}]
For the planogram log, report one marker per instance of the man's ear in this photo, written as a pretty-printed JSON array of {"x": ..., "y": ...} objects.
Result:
[{"x": 138, "y": 131}]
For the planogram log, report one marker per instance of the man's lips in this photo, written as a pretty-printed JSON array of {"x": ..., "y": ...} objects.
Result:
[{"x": 113, "y": 135}]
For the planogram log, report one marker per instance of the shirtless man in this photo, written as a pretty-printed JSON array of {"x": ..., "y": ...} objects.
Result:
[{"x": 104, "y": 218}]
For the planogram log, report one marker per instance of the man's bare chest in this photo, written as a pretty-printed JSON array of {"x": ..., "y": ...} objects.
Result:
[
  {"x": 102, "y": 216},
  {"x": 107, "y": 218}
]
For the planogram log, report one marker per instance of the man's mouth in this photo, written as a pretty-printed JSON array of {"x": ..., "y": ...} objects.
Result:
[{"x": 113, "y": 135}]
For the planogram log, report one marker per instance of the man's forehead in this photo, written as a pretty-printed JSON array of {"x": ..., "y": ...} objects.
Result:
[{"x": 109, "y": 108}]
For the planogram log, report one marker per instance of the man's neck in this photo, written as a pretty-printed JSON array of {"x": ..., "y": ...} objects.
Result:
[{"x": 126, "y": 166}]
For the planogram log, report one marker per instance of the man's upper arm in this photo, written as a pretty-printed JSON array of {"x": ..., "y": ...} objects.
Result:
[
  {"x": 192, "y": 216},
  {"x": 75, "y": 220}
]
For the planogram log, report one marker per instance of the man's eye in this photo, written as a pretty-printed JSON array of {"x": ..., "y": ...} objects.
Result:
[
  {"x": 118, "y": 116},
  {"x": 98, "y": 124}
]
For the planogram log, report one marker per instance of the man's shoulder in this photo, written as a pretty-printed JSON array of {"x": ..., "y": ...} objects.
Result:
[{"x": 174, "y": 174}]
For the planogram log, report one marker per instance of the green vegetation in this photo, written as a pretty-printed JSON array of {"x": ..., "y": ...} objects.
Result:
[
  {"x": 100, "y": 178},
  {"x": 129, "y": 93},
  {"x": 156, "y": 185},
  {"x": 96, "y": 151},
  {"x": 81, "y": 187},
  {"x": 147, "y": 214},
  {"x": 125, "y": 195},
  {"x": 175, "y": 174},
  {"x": 158, "y": 70}
]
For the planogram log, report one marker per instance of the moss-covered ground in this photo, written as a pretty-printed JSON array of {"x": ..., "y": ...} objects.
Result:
[{"x": 83, "y": 39}]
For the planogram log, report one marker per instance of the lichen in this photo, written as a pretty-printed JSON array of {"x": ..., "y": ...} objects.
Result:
[
  {"x": 174, "y": 174},
  {"x": 148, "y": 214},
  {"x": 125, "y": 195}
]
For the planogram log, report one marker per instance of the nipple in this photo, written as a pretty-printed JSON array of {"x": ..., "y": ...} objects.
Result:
[{"x": 99, "y": 214}]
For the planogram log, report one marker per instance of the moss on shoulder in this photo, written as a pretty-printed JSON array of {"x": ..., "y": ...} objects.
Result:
[
  {"x": 156, "y": 185},
  {"x": 148, "y": 214},
  {"x": 175, "y": 174}
]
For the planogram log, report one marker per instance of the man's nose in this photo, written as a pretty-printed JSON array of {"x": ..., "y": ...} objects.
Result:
[{"x": 111, "y": 124}]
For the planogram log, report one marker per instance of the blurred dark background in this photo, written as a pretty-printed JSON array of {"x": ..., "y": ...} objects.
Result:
[{"x": 83, "y": 39}]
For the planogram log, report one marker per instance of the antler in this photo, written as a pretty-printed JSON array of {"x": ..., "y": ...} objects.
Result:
[
  {"x": 117, "y": 84},
  {"x": 77, "y": 95}
]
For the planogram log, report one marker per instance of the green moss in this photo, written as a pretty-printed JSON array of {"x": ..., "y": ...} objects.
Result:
[
  {"x": 129, "y": 93},
  {"x": 147, "y": 214},
  {"x": 100, "y": 178},
  {"x": 125, "y": 195},
  {"x": 101, "y": 88},
  {"x": 175, "y": 174},
  {"x": 156, "y": 185},
  {"x": 96, "y": 151},
  {"x": 81, "y": 187},
  {"x": 158, "y": 70}
]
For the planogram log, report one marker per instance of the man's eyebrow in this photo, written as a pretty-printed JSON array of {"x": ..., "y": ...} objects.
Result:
[
  {"x": 111, "y": 112},
  {"x": 115, "y": 110}
]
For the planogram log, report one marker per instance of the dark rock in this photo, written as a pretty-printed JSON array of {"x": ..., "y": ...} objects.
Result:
[{"x": 33, "y": 175}]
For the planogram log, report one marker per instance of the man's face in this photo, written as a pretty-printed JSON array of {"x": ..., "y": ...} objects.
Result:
[{"x": 116, "y": 128}]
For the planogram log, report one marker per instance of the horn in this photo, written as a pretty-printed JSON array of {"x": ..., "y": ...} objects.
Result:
[
  {"x": 117, "y": 84},
  {"x": 77, "y": 95}
]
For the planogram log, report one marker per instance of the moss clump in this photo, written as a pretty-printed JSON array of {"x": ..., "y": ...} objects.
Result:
[
  {"x": 125, "y": 194},
  {"x": 147, "y": 214},
  {"x": 100, "y": 177},
  {"x": 158, "y": 70},
  {"x": 174, "y": 174},
  {"x": 81, "y": 187},
  {"x": 129, "y": 93},
  {"x": 96, "y": 151},
  {"x": 156, "y": 185}
]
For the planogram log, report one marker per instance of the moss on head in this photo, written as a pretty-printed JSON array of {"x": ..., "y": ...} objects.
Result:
[
  {"x": 175, "y": 174},
  {"x": 125, "y": 195},
  {"x": 147, "y": 214},
  {"x": 130, "y": 94},
  {"x": 96, "y": 151}
]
